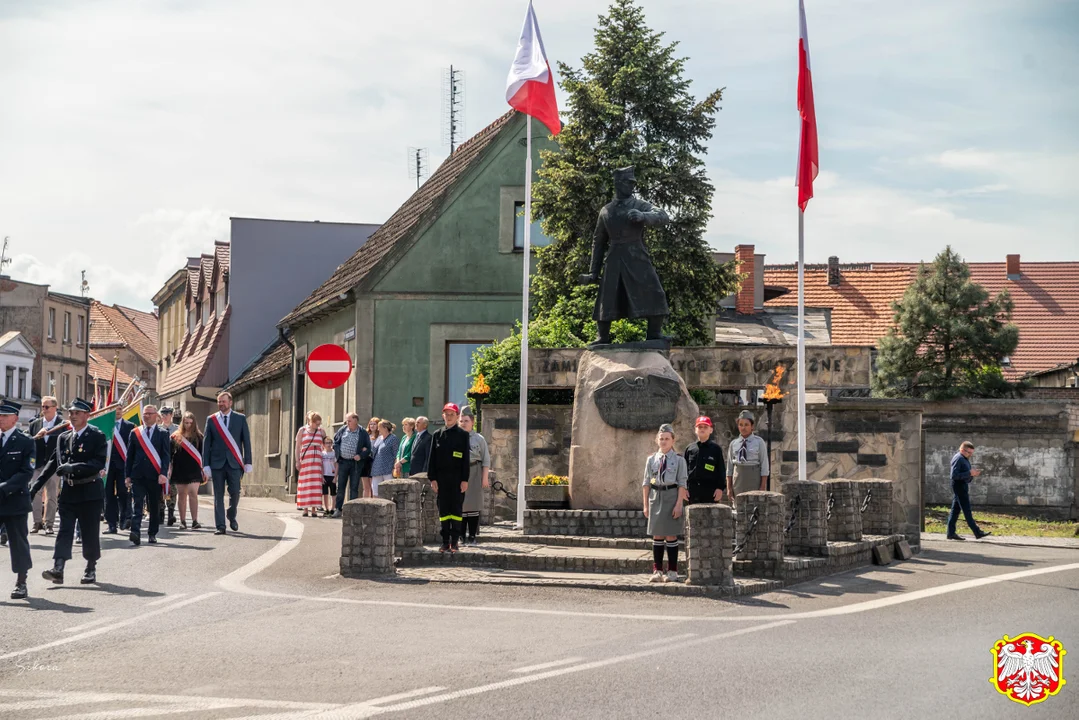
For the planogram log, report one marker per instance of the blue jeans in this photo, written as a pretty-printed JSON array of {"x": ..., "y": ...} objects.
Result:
[
  {"x": 961, "y": 501},
  {"x": 348, "y": 476}
]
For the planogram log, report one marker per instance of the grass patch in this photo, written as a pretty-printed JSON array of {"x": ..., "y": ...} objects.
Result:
[{"x": 936, "y": 521}]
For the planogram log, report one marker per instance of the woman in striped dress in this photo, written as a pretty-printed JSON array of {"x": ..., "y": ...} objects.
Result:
[{"x": 309, "y": 465}]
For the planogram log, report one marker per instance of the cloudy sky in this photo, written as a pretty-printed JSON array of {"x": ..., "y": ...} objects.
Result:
[{"x": 131, "y": 130}]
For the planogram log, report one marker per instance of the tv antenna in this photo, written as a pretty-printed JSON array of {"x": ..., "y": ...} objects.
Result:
[
  {"x": 84, "y": 288},
  {"x": 453, "y": 107},
  {"x": 4, "y": 259},
  {"x": 417, "y": 164}
]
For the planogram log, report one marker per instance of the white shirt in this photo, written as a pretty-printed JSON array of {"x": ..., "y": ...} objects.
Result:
[
  {"x": 47, "y": 424},
  {"x": 148, "y": 432},
  {"x": 6, "y": 436}
]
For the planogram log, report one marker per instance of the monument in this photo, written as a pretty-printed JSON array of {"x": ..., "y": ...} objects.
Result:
[{"x": 625, "y": 391}]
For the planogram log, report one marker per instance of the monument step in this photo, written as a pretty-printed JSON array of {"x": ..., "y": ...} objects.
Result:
[
  {"x": 586, "y": 523},
  {"x": 533, "y": 557},
  {"x": 506, "y": 532}
]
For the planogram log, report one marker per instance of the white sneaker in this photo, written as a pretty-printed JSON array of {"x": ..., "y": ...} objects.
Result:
[
  {"x": 672, "y": 576},
  {"x": 657, "y": 576}
]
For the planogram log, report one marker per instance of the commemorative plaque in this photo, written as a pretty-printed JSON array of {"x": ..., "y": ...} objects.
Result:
[{"x": 638, "y": 403}]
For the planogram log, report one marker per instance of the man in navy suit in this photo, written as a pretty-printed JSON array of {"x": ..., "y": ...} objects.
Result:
[
  {"x": 117, "y": 498},
  {"x": 226, "y": 456},
  {"x": 146, "y": 471},
  {"x": 17, "y": 453}
]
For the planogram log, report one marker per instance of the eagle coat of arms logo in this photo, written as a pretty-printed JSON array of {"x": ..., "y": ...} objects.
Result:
[{"x": 1028, "y": 668}]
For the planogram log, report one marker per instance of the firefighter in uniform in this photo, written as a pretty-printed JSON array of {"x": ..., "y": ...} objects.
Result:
[
  {"x": 79, "y": 460},
  {"x": 448, "y": 472},
  {"x": 16, "y": 470},
  {"x": 707, "y": 473}
]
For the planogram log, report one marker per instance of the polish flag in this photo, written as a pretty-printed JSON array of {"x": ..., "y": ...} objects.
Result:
[
  {"x": 807, "y": 143},
  {"x": 530, "y": 85}
]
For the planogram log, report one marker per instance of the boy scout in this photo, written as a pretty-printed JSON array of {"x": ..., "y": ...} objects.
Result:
[
  {"x": 747, "y": 459},
  {"x": 704, "y": 459}
]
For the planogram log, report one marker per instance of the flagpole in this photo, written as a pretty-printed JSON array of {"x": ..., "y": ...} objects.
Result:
[
  {"x": 801, "y": 348},
  {"x": 522, "y": 439}
]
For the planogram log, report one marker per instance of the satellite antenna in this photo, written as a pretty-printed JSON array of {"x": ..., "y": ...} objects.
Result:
[
  {"x": 84, "y": 288},
  {"x": 417, "y": 164},
  {"x": 453, "y": 107}
]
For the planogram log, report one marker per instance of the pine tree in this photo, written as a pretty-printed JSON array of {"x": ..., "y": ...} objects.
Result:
[
  {"x": 628, "y": 104},
  {"x": 949, "y": 338}
]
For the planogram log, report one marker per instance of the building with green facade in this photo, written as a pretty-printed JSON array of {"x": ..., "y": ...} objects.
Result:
[{"x": 440, "y": 277}]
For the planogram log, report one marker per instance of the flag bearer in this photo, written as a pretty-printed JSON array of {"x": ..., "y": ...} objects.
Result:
[
  {"x": 448, "y": 472},
  {"x": 17, "y": 452}
]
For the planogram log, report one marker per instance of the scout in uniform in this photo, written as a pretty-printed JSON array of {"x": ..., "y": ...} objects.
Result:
[
  {"x": 448, "y": 472},
  {"x": 479, "y": 467},
  {"x": 17, "y": 452},
  {"x": 665, "y": 478},
  {"x": 79, "y": 460},
  {"x": 704, "y": 460},
  {"x": 747, "y": 459}
]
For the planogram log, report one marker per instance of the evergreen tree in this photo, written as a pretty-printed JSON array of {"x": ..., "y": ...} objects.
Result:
[
  {"x": 628, "y": 104},
  {"x": 949, "y": 337}
]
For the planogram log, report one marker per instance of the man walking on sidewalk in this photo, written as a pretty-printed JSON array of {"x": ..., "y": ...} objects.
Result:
[{"x": 962, "y": 474}]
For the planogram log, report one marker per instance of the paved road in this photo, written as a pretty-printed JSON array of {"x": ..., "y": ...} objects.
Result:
[{"x": 258, "y": 625}]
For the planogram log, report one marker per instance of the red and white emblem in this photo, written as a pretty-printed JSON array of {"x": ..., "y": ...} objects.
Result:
[
  {"x": 329, "y": 366},
  {"x": 1028, "y": 668}
]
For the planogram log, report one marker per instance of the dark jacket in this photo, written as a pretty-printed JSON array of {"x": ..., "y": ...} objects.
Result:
[
  {"x": 139, "y": 466},
  {"x": 216, "y": 453},
  {"x": 707, "y": 473},
  {"x": 450, "y": 451},
  {"x": 79, "y": 464},
  {"x": 363, "y": 444},
  {"x": 46, "y": 446},
  {"x": 629, "y": 286},
  {"x": 421, "y": 453},
  {"x": 961, "y": 469},
  {"x": 16, "y": 471},
  {"x": 116, "y": 463}
]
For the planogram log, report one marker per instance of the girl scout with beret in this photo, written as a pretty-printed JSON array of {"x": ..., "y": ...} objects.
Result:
[{"x": 665, "y": 477}]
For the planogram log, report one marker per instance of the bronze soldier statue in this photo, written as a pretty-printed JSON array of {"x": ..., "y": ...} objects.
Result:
[{"x": 629, "y": 286}]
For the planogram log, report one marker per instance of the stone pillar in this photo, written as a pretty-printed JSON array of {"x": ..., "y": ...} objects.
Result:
[
  {"x": 763, "y": 551},
  {"x": 845, "y": 522},
  {"x": 367, "y": 537},
  {"x": 405, "y": 494},
  {"x": 710, "y": 544},
  {"x": 809, "y": 532},
  {"x": 487, "y": 514},
  {"x": 432, "y": 528},
  {"x": 877, "y": 516}
]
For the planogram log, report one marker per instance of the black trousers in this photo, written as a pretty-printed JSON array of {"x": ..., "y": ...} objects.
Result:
[
  {"x": 450, "y": 502},
  {"x": 471, "y": 526},
  {"x": 88, "y": 515},
  {"x": 117, "y": 500},
  {"x": 148, "y": 492},
  {"x": 18, "y": 534}
]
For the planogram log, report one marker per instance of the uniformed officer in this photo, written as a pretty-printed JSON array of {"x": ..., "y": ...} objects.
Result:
[
  {"x": 747, "y": 459},
  {"x": 448, "y": 472},
  {"x": 704, "y": 459},
  {"x": 117, "y": 496},
  {"x": 79, "y": 460},
  {"x": 17, "y": 452}
]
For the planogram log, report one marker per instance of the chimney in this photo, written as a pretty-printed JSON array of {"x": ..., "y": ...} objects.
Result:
[
  {"x": 1013, "y": 267},
  {"x": 743, "y": 255},
  {"x": 833, "y": 272}
]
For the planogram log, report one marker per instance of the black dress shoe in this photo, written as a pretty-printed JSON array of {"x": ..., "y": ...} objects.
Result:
[
  {"x": 89, "y": 577},
  {"x": 135, "y": 539},
  {"x": 19, "y": 593},
  {"x": 54, "y": 574},
  {"x": 153, "y": 539},
  {"x": 979, "y": 536},
  {"x": 234, "y": 525},
  {"x": 956, "y": 537},
  {"x": 111, "y": 531},
  {"x": 219, "y": 531}
]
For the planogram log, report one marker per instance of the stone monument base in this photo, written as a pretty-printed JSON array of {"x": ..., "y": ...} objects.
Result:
[{"x": 622, "y": 397}]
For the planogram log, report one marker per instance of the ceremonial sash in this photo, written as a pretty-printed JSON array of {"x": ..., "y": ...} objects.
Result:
[
  {"x": 120, "y": 448},
  {"x": 150, "y": 450},
  {"x": 229, "y": 440},
  {"x": 192, "y": 451}
]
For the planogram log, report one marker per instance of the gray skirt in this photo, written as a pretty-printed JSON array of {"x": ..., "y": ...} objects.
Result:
[
  {"x": 746, "y": 478},
  {"x": 474, "y": 497},
  {"x": 660, "y": 506}
]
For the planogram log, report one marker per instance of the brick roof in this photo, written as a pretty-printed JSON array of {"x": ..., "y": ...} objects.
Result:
[
  {"x": 195, "y": 354},
  {"x": 144, "y": 321},
  {"x": 1046, "y": 297},
  {"x": 100, "y": 368},
  {"x": 274, "y": 362},
  {"x": 424, "y": 201},
  {"x": 111, "y": 326}
]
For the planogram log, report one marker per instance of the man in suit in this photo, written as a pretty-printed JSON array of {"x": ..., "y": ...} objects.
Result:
[
  {"x": 421, "y": 447},
  {"x": 164, "y": 422},
  {"x": 41, "y": 430},
  {"x": 79, "y": 460},
  {"x": 17, "y": 453},
  {"x": 117, "y": 496},
  {"x": 226, "y": 456},
  {"x": 146, "y": 472}
]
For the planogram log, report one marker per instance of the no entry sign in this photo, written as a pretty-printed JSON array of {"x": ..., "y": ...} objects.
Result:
[{"x": 329, "y": 366}]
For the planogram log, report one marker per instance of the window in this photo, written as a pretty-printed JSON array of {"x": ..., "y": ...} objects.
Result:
[
  {"x": 67, "y": 327},
  {"x": 51, "y": 390},
  {"x": 192, "y": 319},
  {"x": 537, "y": 239},
  {"x": 459, "y": 370},
  {"x": 67, "y": 388},
  {"x": 52, "y": 324},
  {"x": 78, "y": 386},
  {"x": 273, "y": 424},
  {"x": 22, "y": 383},
  {"x": 206, "y": 308},
  {"x": 9, "y": 382},
  {"x": 220, "y": 310},
  {"x": 145, "y": 374},
  {"x": 78, "y": 330}
]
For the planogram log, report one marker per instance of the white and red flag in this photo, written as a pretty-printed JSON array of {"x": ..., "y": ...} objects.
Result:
[
  {"x": 530, "y": 85},
  {"x": 807, "y": 144}
]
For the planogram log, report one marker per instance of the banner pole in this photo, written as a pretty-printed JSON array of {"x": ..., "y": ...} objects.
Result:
[
  {"x": 801, "y": 348},
  {"x": 522, "y": 439}
]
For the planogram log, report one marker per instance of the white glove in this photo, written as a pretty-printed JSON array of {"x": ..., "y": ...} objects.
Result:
[
  {"x": 248, "y": 469},
  {"x": 206, "y": 471}
]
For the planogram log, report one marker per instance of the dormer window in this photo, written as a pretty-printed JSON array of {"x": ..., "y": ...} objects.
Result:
[{"x": 206, "y": 308}]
